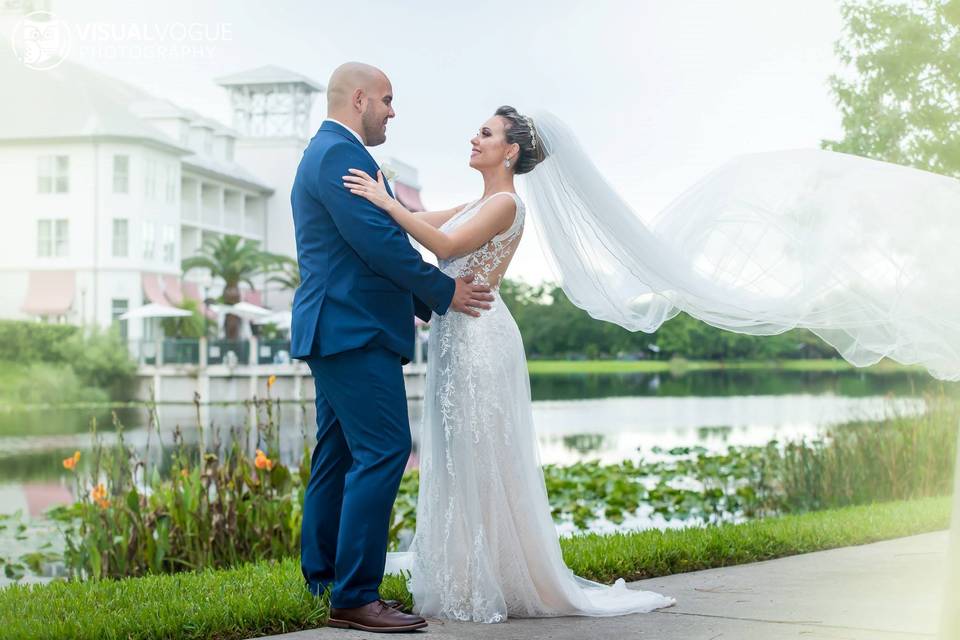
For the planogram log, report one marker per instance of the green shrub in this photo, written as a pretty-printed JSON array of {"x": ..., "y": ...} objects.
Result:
[
  {"x": 37, "y": 358},
  {"x": 41, "y": 383},
  {"x": 101, "y": 359},
  {"x": 28, "y": 342}
]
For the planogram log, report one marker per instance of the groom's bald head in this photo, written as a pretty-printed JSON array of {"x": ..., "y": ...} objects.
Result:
[
  {"x": 349, "y": 78},
  {"x": 361, "y": 96}
]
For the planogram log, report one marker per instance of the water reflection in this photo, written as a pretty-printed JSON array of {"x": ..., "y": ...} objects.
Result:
[
  {"x": 730, "y": 382},
  {"x": 577, "y": 416}
]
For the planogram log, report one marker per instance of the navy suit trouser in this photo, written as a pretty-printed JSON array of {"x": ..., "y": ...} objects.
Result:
[{"x": 363, "y": 444}]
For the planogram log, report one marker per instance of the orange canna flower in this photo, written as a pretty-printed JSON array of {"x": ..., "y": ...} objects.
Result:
[
  {"x": 99, "y": 495},
  {"x": 71, "y": 462},
  {"x": 271, "y": 380},
  {"x": 184, "y": 473},
  {"x": 262, "y": 461}
]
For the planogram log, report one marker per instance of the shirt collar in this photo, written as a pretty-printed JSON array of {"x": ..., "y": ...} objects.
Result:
[{"x": 355, "y": 134}]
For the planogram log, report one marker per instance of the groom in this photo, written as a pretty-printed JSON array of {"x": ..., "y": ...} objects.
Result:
[{"x": 362, "y": 282}]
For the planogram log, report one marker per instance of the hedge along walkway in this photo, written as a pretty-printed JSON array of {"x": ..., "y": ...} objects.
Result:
[{"x": 269, "y": 598}]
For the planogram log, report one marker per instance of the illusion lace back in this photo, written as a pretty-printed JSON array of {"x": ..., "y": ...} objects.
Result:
[{"x": 486, "y": 546}]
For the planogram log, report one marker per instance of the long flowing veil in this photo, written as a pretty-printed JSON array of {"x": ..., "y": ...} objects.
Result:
[{"x": 863, "y": 253}]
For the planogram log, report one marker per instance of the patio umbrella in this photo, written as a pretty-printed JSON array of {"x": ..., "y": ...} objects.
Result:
[
  {"x": 245, "y": 310},
  {"x": 280, "y": 318},
  {"x": 154, "y": 310}
]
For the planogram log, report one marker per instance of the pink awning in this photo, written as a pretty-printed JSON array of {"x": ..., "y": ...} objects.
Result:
[
  {"x": 192, "y": 292},
  {"x": 151, "y": 288},
  {"x": 171, "y": 288},
  {"x": 49, "y": 293},
  {"x": 408, "y": 197},
  {"x": 252, "y": 296}
]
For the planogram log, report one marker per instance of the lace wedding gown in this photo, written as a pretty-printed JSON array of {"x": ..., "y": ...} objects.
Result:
[{"x": 486, "y": 546}]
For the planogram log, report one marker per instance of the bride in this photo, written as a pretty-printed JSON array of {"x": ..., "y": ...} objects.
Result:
[
  {"x": 486, "y": 546},
  {"x": 858, "y": 251}
]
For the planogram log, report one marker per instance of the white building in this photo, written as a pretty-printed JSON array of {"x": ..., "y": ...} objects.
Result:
[{"x": 104, "y": 189}]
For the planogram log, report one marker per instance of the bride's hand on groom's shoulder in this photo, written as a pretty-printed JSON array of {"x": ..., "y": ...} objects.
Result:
[
  {"x": 361, "y": 184},
  {"x": 469, "y": 298}
]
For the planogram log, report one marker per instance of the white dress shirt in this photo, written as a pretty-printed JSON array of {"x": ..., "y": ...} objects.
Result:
[{"x": 356, "y": 135}]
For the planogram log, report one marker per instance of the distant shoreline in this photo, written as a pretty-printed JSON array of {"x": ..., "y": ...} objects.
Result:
[
  {"x": 547, "y": 367},
  {"x": 573, "y": 367}
]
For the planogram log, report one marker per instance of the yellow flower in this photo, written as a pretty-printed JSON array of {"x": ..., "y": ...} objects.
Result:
[
  {"x": 262, "y": 461},
  {"x": 99, "y": 495},
  {"x": 71, "y": 462},
  {"x": 184, "y": 473},
  {"x": 271, "y": 380}
]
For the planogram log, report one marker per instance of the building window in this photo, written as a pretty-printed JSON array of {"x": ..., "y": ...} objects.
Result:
[
  {"x": 53, "y": 174},
  {"x": 44, "y": 238},
  {"x": 118, "y": 307},
  {"x": 53, "y": 238},
  {"x": 121, "y": 238},
  {"x": 149, "y": 240},
  {"x": 150, "y": 180},
  {"x": 121, "y": 174},
  {"x": 169, "y": 243},
  {"x": 171, "y": 184},
  {"x": 61, "y": 240}
]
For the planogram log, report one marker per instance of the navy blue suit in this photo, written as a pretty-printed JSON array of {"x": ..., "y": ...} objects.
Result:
[{"x": 362, "y": 282}]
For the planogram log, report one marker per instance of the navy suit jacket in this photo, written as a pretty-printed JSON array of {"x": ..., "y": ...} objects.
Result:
[{"x": 361, "y": 279}]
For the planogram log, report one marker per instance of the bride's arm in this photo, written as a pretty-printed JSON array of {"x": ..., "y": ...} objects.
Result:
[
  {"x": 494, "y": 217},
  {"x": 437, "y": 218}
]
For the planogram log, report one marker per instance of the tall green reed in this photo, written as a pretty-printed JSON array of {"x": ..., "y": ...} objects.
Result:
[
  {"x": 901, "y": 457},
  {"x": 205, "y": 506}
]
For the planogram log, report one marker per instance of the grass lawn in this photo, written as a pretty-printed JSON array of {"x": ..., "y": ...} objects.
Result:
[
  {"x": 268, "y": 597},
  {"x": 650, "y": 366}
]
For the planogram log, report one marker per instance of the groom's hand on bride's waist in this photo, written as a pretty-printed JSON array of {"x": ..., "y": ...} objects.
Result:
[{"x": 468, "y": 298}]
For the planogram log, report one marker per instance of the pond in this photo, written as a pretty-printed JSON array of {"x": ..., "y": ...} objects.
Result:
[{"x": 610, "y": 417}]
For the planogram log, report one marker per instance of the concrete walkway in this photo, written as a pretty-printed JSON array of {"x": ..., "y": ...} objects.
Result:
[{"x": 884, "y": 591}]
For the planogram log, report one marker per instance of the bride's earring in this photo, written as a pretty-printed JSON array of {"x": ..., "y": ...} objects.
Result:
[{"x": 506, "y": 163}]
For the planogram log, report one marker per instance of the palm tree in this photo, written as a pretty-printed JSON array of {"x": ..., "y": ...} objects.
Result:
[
  {"x": 288, "y": 274},
  {"x": 234, "y": 260}
]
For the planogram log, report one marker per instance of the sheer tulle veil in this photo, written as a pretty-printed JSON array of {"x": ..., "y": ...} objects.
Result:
[{"x": 863, "y": 253}]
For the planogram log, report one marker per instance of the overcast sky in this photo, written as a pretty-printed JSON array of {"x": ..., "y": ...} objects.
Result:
[{"x": 660, "y": 92}]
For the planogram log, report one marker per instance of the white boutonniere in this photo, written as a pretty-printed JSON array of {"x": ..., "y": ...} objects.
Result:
[{"x": 388, "y": 173}]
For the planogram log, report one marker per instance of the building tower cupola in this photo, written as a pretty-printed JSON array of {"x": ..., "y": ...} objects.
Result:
[{"x": 271, "y": 102}]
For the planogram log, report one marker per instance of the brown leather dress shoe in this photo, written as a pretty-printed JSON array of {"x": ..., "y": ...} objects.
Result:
[{"x": 375, "y": 616}]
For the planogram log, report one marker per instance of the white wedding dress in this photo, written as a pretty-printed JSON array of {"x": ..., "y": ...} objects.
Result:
[
  {"x": 486, "y": 546},
  {"x": 858, "y": 251}
]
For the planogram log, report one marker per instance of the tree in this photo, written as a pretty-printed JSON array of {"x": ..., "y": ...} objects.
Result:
[
  {"x": 553, "y": 327},
  {"x": 902, "y": 103},
  {"x": 233, "y": 260},
  {"x": 192, "y": 326},
  {"x": 287, "y": 274}
]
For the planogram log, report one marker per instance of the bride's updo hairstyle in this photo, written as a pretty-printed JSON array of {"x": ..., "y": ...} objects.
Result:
[{"x": 522, "y": 131}]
